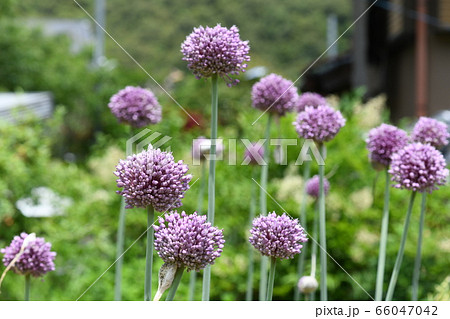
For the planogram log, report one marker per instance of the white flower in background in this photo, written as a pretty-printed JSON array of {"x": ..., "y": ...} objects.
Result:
[
  {"x": 370, "y": 114},
  {"x": 43, "y": 202}
]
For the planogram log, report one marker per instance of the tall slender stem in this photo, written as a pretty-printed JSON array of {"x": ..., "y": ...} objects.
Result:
[
  {"x": 383, "y": 241},
  {"x": 374, "y": 184},
  {"x": 212, "y": 160},
  {"x": 273, "y": 264},
  {"x": 192, "y": 281},
  {"x": 265, "y": 169},
  {"x": 398, "y": 261},
  {"x": 251, "y": 265},
  {"x": 418, "y": 260},
  {"x": 149, "y": 254},
  {"x": 263, "y": 207},
  {"x": 176, "y": 281},
  {"x": 201, "y": 193},
  {"x": 201, "y": 196},
  {"x": 301, "y": 258},
  {"x": 119, "y": 252},
  {"x": 322, "y": 227},
  {"x": 314, "y": 247},
  {"x": 27, "y": 287},
  {"x": 212, "y": 179},
  {"x": 278, "y": 153}
]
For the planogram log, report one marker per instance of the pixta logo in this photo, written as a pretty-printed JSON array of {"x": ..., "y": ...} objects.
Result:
[{"x": 144, "y": 138}]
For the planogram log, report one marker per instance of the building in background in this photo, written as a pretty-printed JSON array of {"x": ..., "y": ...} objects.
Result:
[
  {"x": 79, "y": 31},
  {"x": 15, "y": 107},
  {"x": 401, "y": 48}
]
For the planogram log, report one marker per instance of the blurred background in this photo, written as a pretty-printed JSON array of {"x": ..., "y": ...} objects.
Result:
[{"x": 59, "y": 143}]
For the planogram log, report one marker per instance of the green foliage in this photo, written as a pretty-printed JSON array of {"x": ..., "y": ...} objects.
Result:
[
  {"x": 32, "y": 62},
  {"x": 284, "y": 35},
  {"x": 85, "y": 238},
  {"x": 7, "y": 8}
]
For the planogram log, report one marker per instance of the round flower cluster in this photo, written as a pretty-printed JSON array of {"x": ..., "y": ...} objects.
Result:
[
  {"x": 307, "y": 284},
  {"x": 201, "y": 147},
  {"x": 277, "y": 236},
  {"x": 254, "y": 153},
  {"x": 274, "y": 94},
  {"x": 188, "y": 240},
  {"x": 152, "y": 178},
  {"x": 428, "y": 130},
  {"x": 418, "y": 167},
  {"x": 320, "y": 123},
  {"x": 36, "y": 259},
  {"x": 135, "y": 106},
  {"x": 312, "y": 186},
  {"x": 310, "y": 99},
  {"x": 216, "y": 50},
  {"x": 383, "y": 141}
]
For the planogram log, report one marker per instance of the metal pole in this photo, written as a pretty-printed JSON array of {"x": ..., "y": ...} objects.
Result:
[
  {"x": 359, "y": 73},
  {"x": 421, "y": 59},
  {"x": 99, "y": 50},
  {"x": 332, "y": 35}
]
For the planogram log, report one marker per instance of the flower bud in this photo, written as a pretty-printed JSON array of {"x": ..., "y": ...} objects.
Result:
[
  {"x": 307, "y": 284},
  {"x": 30, "y": 238},
  {"x": 166, "y": 276}
]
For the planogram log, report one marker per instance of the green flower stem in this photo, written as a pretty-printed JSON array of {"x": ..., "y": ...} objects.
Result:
[
  {"x": 201, "y": 196},
  {"x": 119, "y": 252},
  {"x": 301, "y": 258},
  {"x": 314, "y": 247},
  {"x": 273, "y": 264},
  {"x": 418, "y": 260},
  {"x": 265, "y": 169},
  {"x": 212, "y": 179},
  {"x": 263, "y": 207},
  {"x": 398, "y": 261},
  {"x": 251, "y": 265},
  {"x": 176, "y": 281},
  {"x": 279, "y": 149},
  {"x": 27, "y": 287},
  {"x": 383, "y": 241},
  {"x": 149, "y": 254},
  {"x": 322, "y": 227},
  {"x": 374, "y": 184},
  {"x": 192, "y": 281}
]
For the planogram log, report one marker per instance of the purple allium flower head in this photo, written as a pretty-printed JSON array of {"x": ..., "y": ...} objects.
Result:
[
  {"x": 431, "y": 131},
  {"x": 188, "y": 240},
  {"x": 216, "y": 50},
  {"x": 135, "y": 106},
  {"x": 254, "y": 153},
  {"x": 152, "y": 178},
  {"x": 274, "y": 94},
  {"x": 383, "y": 141},
  {"x": 312, "y": 186},
  {"x": 418, "y": 167},
  {"x": 277, "y": 236},
  {"x": 310, "y": 99},
  {"x": 36, "y": 259},
  {"x": 201, "y": 147},
  {"x": 320, "y": 123},
  {"x": 307, "y": 284}
]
